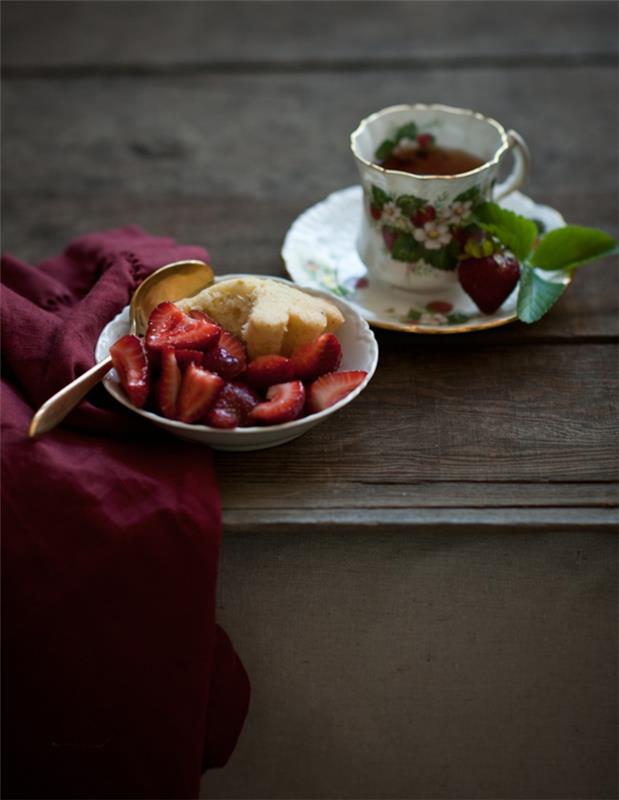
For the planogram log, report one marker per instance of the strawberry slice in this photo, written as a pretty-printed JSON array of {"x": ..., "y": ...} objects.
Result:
[
  {"x": 284, "y": 403},
  {"x": 186, "y": 357},
  {"x": 195, "y": 313},
  {"x": 228, "y": 358},
  {"x": 169, "y": 383},
  {"x": 197, "y": 394},
  {"x": 322, "y": 355},
  {"x": 329, "y": 388},
  {"x": 233, "y": 404},
  {"x": 265, "y": 371},
  {"x": 168, "y": 326},
  {"x": 130, "y": 362}
]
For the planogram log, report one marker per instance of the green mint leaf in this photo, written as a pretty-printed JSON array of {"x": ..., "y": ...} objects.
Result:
[
  {"x": 541, "y": 226},
  {"x": 571, "y": 246},
  {"x": 408, "y": 131},
  {"x": 535, "y": 295},
  {"x": 384, "y": 150},
  {"x": 379, "y": 197},
  {"x": 515, "y": 232},
  {"x": 409, "y": 204}
]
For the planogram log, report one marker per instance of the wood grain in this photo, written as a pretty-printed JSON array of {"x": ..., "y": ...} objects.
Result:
[
  {"x": 364, "y": 494},
  {"x": 265, "y": 137},
  {"x": 160, "y": 36},
  {"x": 290, "y": 522}
]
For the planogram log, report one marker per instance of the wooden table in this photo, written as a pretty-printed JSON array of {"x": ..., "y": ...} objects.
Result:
[{"x": 452, "y": 530}]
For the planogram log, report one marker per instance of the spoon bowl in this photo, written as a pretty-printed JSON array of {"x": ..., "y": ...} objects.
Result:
[{"x": 172, "y": 282}]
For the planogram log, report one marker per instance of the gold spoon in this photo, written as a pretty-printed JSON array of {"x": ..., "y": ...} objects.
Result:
[{"x": 172, "y": 282}]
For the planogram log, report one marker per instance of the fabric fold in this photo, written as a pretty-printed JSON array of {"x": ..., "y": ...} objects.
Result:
[{"x": 116, "y": 680}]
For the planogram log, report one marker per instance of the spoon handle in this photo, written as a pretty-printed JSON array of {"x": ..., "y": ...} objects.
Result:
[{"x": 58, "y": 406}]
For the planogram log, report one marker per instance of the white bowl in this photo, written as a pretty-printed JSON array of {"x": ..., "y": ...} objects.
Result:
[{"x": 360, "y": 352}]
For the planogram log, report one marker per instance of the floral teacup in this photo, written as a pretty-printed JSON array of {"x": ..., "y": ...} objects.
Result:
[{"x": 414, "y": 227}]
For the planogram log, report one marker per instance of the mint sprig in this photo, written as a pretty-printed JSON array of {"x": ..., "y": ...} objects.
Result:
[
  {"x": 571, "y": 247},
  {"x": 535, "y": 295},
  {"x": 560, "y": 251},
  {"x": 515, "y": 232}
]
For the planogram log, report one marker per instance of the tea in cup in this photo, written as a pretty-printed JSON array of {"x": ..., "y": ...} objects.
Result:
[{"x": 424, "y": 169}]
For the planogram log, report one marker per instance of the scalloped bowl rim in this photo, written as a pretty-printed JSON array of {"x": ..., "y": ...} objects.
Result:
[{"x": 347, "y": 309}]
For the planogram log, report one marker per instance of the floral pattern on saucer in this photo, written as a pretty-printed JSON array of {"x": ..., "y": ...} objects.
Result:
[{"x": 320, "y": 251}]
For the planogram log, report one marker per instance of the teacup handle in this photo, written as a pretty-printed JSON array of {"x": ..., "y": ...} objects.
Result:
[{"x": 520, "y": 172}]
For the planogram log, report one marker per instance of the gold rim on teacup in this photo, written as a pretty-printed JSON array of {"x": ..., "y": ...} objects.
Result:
[{"x": 506, "y": 141}]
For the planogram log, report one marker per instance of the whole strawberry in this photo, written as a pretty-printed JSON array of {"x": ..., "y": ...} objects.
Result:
[{"x": 489, "y": 281}]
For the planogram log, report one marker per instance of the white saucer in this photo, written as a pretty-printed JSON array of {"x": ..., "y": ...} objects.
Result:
[{"x": 320, "y": 252}]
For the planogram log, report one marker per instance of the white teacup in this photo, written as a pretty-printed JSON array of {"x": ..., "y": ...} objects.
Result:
[{"x": 422, "y": 256}]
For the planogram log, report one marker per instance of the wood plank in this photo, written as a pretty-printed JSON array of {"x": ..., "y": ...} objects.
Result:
[
  {"x": 255, "y": 137},
  {"x": 164, "y": 34},
  {"x": 255, "y": 494},
  {"x": 259, "y": 505},
  {"x": 451, "y": 413},
  {"x": 416, "y": 521}
]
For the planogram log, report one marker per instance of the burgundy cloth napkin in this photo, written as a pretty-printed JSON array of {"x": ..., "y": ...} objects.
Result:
[{"x": 116, "y": 681}]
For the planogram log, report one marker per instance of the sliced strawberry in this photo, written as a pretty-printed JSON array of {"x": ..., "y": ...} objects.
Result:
[
  {"x": 169, "y": 383},
  {"x": 328, "y": 389},
  {"x": 131, "y": 364},
  {"x": 195, "y": 313},
  {"x": 284, "y": 403},
  {"x": 228, "y": 358},
  {"x": 233, "y": 404},
  {"x": 322, "y": 355},
  {"x": 220, "y": 361},
  {"x": 168, "y": 326},
  {"x": 234, "y": 347},
  {"x": 163, "y": 318},
  {"x": 199, "y": 389},
  {"x": 186, "y": 357},
  {"x": 265, "y": 371}
]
